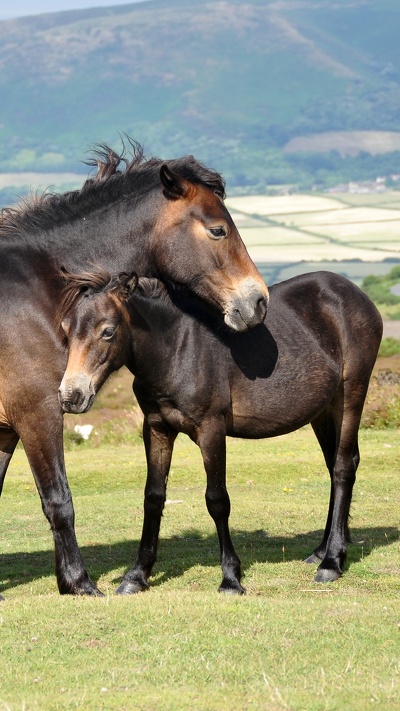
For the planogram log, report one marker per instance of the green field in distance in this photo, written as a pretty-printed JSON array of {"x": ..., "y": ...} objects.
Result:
[{"x": 352, "y": 234}]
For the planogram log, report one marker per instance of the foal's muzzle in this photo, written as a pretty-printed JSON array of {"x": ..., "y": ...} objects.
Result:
[{"x": 76, "y": 394}]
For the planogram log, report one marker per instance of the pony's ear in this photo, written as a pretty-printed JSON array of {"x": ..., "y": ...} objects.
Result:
[
  {"x": 173, "y": 185},
  {"x": 127, "y": 284}
]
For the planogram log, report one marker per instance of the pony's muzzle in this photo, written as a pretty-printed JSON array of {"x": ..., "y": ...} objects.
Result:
[
  {"x": 248, "y": 307},
  {"x": 76, "y": 394}
]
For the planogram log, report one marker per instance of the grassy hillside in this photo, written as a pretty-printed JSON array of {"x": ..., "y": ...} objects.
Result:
[{"x": 232, "y": 82}]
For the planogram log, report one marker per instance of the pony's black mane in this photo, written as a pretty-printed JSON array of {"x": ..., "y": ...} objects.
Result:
[{"x": 117, "y": 176}]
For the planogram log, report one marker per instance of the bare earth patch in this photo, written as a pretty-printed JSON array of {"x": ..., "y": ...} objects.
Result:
[{"x": 346, "y": 143}]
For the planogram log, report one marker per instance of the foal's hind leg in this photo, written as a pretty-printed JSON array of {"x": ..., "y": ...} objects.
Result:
[
  {"x": 41, "y": 431},
  {"x": 159, "y": 442},
  {"x": 337, "y": 433},
  {"x": 212, "y": 442}
]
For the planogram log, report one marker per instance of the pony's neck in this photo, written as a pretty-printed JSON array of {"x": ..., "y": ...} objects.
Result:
[{"x": 115, "y": 236}]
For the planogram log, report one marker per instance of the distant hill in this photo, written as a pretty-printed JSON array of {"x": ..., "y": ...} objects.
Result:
[{"x": 232, "y": 81}]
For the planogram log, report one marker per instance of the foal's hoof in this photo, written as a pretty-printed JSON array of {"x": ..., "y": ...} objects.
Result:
[
  {"x": 324, "y": 575},
  {"x": 131, "y": 587},
  {"x": 312, "y": 559},
  {"x": 231, "y": 587},
  {"x": 1, "y": 598}
]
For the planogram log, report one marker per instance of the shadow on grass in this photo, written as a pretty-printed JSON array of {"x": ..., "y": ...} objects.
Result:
[{"x": 178, "y": 554}]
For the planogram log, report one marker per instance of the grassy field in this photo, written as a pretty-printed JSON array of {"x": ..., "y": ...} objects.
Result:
[
  {"x": 354, "y": 234},
  {"x": 288, "y": 644}
]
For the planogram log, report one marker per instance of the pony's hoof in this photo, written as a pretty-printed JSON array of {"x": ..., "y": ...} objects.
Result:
[
  {"x": 90, "y": 590},
  {"x": 325, "y": 575},
  {"x": 312, "y": 559},
  {"x": 230, "y": 587},
  {"x": 131, "y": 587},
  {"x": 2, "y": 598}
]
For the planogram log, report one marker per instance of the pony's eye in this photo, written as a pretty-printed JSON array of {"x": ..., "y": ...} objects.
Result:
[
  {"x": 217, "y": 232},
  {"x": 108, "y": 333}
]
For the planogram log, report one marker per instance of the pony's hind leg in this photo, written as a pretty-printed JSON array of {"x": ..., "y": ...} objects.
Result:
[
  {"x": 8, "y": 442},
  {"x": 337, "y": 432},
  {"x": 212, "y": 442},
  {"x": 159, "y": 442}
]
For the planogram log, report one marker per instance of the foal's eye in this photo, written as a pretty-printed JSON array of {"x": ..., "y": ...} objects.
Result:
[
  {"x": 217, "y": 232},
  {"x": 108, "y": 333}
]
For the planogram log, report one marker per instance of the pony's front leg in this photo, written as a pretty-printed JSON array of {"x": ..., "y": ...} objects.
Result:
[
  {"x": 159, "y": 443},
  {"x": 8, "y": 442},
  {"x": 212, "y": 442},
  {"x": 41, "y": 433}
]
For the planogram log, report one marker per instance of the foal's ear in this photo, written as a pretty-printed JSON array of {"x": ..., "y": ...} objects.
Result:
[
  {"x": 173, "y": 185},
  {"x": 64, "y": 274},
  {"x": 127, "y": 284}
]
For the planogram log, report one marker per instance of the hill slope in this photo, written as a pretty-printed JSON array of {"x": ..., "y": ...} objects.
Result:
[{"x": 231, "y": 81}]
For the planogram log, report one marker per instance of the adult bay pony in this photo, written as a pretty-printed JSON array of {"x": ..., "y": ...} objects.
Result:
[
  {"x": 310, "y": 361},
  {"x": 166, "y": 219}
]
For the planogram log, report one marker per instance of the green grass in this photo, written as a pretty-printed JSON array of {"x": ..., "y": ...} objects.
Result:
[{"x": 288, "y": 644}]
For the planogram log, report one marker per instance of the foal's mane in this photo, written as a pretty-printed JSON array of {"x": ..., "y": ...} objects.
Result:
[
  {"x": 118, "y": 175},
  {"x": 83, "y": 283},
  {"x": 97, "y": 281}
]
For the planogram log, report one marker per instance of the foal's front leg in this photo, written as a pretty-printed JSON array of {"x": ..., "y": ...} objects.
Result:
[
  {"x": 159, "y": 443},
  {"x": 212, "y": 442}
]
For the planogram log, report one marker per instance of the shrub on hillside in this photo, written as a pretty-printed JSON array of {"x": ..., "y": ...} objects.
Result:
[
  {"x": 382, "y": 406},
  {"x": 379, "y": 288}
]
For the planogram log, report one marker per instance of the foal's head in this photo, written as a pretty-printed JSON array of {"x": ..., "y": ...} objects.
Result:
[{"x": 95, "y": 320}]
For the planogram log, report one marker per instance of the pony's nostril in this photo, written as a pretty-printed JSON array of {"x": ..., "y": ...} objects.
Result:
[{"x": 262, "y": 306}]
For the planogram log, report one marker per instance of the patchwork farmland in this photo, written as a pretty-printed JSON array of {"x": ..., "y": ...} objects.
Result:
[{"x": 353, "y": 234}]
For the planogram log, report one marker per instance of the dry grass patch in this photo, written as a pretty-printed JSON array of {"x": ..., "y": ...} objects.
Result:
[
  {"x": 277, "y": 237},
  {"x": 317, "y": 253},
  {"x": 43, "y": 180},
  {"x": 350, "y": 231},
  {"x": 276, "y": 205},
  {"x": 347, "y": 216},
  {"x": 347, "y": 143}
]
